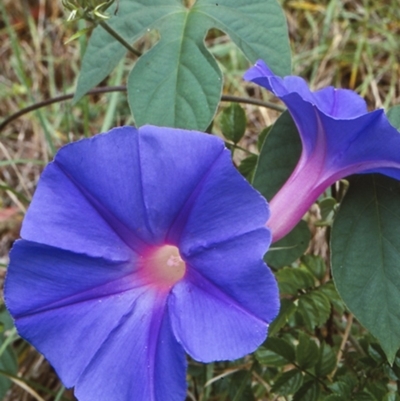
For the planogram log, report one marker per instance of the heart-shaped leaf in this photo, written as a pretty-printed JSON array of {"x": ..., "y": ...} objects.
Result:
[
  {"x": 178, "y": 83},
  {"x": 365, "y": 245}
]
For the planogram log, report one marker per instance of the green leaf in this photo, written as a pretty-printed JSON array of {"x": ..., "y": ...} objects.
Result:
[
  {"x": 378, "y": 389},
  {"x": 323, "y": 305},
  {"x": 8, "y": 363},
  {"x": 6, "y": 321},
  {"x": 288, "y": 382},
  {"x": 342, "y": 388},
  {"x": 365, "y": 245},
  {"x": 315, "y": 264},
  {"x": 178, "y": 83},
  {"x": 391, "y": 397},
  {"x": 326, "y": 361},
  {"x": 233, "y": 122},
  {"x": 253, "y": 25},
  {"x": 287, "y": 309},
  {"x": 291, "y": 280},
  {"x": 103, "y": 52},
  {"x": 240, "y": 388},
  {"x": 314, "y": 308},
  {"x": 281, "y": 347},
  {"x": 394, "y": 116},
  {"x": 327, "y": 206},
  {"x": 278, "y": 157},
  {"x": 376, "y": 353},
  {"x": 307, "y": 352},
  {"x": 289, "y": 248},
  {"x": 262, "y": 136},
  {"x": 267, "y": 357},
  {"x": 308, "y": 311},
  {"x": 8, "y": 360},
  {"x": 77, "y": 35},
  {"x": 247, "y": 167},
  {"x": 329, "y": 290},
  {"x": 335, "y": 397},
  {"x": 363, "y": 396},
  {"x": 310, "y": 391}
]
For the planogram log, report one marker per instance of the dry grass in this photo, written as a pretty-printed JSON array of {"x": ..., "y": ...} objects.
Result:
[{"x": 352, "y": 44}]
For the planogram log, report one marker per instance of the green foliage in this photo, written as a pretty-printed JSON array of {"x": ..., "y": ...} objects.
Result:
[
  {"x": 307, "y": 352},
  {"x": 330, "y": 291},
  {"x": 247, "y": 167},
  {"x": 326, "y": 361},
  {"x": 394, "y": 116},
  {"x": 8, "y": 360},
  {"x": 310, "y": 391},
  {"x": 288, "y": 382},
  {"x": 178, "y": 83},
  {"x": 233, "y": 122},
  {"x": 240, "y": 390},
  {"x": 327, "y": 207},
  {"x": 276, "y": 352},
  {"x": 278, "y": 157},
  {"x": 289, "y": 248},
  {"x": 261, "y": 137},
  {"x": 292, "y": 280},
  {"x": 288, "y": 308},
  {"x": 342, "y": 388},
  {"x": 314, "y": 309},
  {"x": 307, "y": 312},
  {"x": 365, "y": 256},
  {"x": 92, "y": 10},
  {"x": 315, "y": 265},
  {"x": 334, "y": 397}
]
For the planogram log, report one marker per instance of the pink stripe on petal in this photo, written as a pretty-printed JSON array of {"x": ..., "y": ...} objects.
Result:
[{"x": 339, "y": 137}]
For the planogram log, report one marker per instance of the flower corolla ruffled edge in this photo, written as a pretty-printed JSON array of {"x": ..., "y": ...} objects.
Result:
[
  {"x": 90, "y": 286},
  {"x": 339, "y": 138}
]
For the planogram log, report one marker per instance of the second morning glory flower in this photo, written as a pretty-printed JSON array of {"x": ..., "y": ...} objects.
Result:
[
  {"x": 339, "y": 138},
  {"x": 140, "y": 245}
]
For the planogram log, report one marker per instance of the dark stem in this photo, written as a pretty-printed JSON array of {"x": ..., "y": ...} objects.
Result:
[
  {"x": 247, "y": 100},
  {"x": 107, "y": 89},
  {"x": 236, "y": 146},
  {"x": 120, "y": 39},
  {"x": 326, "y": 388}
]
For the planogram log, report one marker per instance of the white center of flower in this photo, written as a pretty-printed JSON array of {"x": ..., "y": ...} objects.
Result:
[{"x": 164, "y": 266}]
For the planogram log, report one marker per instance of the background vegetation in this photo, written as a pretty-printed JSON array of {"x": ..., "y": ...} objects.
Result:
[{"x": 316, "y": 349}]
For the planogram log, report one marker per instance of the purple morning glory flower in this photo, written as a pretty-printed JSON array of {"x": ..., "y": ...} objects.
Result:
[
  {"x": 140, "y": 245},
  {"x": 339, "y": 137}
]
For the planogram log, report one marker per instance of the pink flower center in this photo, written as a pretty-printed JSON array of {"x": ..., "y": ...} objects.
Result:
[{"x": 163, "y": 267}]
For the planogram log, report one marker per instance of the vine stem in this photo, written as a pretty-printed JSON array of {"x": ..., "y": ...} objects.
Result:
[
  {"x": 118, "y": 37},
  {"x": 107, "y": 89},
  {"x": 235, "y": 146},
  {"x": 342, "y": 345},
  {"x": 305, "y": 371}
]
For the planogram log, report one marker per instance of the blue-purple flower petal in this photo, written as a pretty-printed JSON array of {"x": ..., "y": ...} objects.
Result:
[
  {"x": 341, "y": 103},
  {"x": 212, "y": 214},
  {"x": 61, "y": 215},
  {"x": 339, "y": 138},
  {"x": 242, "y": 285},
  {"x": 67, "y": 304},
  {"x": 171, "y": 169},
  {"x": 202, "y": 313},
  {"x": 209, "y": 303},
  {"x": 87, "y": 284},
  {"x": 140, "y": 360}
]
